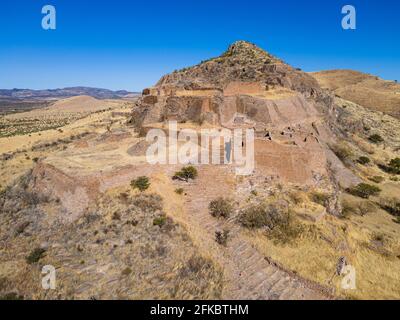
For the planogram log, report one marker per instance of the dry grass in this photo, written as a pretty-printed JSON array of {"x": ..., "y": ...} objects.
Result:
[
  {"x": 363, "y": 89},
  {"x": 315, "y": 255},
  {"x": 316, "y": 250}
]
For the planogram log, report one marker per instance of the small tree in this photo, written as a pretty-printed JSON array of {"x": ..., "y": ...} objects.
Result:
[
  {"x": 141, "y": 183},
  {"x": 186, "y": 173},
  {"x": 364, "y": 190}
]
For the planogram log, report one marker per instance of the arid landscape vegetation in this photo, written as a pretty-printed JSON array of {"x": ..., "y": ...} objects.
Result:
[{"x": 77, "y": 193}]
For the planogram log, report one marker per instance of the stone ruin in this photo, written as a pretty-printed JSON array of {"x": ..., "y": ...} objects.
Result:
[{"x": 248, "y": 88}]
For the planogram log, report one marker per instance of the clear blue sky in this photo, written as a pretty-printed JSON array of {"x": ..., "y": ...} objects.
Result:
[{"x": 128, "y": 44}]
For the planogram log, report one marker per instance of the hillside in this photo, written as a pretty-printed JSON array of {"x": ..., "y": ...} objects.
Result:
[{"x": 364, "y": 89}]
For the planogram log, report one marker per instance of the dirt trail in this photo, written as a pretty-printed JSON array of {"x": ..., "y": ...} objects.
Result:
[{"x": 248, "y": 275}]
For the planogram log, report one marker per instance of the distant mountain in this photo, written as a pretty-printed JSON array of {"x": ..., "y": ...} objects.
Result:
[{"x": 26, "y": 94}]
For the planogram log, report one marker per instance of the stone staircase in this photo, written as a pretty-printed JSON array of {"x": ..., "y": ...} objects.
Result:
[{"x": 248, "y": 274}]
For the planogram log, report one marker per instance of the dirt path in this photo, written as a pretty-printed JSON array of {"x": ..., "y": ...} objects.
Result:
[{"x": 248, "y": 274}]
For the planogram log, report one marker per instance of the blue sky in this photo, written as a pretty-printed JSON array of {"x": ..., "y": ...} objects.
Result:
[{"x": 128, "y": 44}]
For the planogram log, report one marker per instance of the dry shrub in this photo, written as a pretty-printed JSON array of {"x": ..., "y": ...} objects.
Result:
[
  {"x": 365, "y": 207},
  {"x": 148, "y": 202},
  {"x": 297, "y": 197},
  {"x": 260, "y": 215},
  {"x": 360, "y": 208},
  {"x": 221, "y": 208},
  {"x": 194, "y": 277},
  {"x": 278, "y": 220},
  {"x": 364, "y": 146},
  {"x": 319, "y": 198},
  {"x": 287, "y": 231},
  {"x": 377, "y": 179},
  {"x": 342, "y": 151},
  {"x": 221, "y": 237}
]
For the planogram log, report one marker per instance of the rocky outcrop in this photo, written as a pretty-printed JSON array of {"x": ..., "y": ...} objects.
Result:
[
  {"x": 245, "y": 80},
  {"x": 246, "y": 87}
]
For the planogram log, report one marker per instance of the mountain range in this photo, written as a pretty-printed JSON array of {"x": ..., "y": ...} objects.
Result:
[{"x": 46, "y": 94}]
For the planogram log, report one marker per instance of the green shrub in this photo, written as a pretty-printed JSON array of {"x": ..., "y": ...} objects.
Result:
[
  {"x": 179, "y": 191},
  {"x": 126, "y": 272},
  {"x": 375, "y": 138},
  {"x": 35, "y": 255},
  {"x": 392, "y": 167},
  {"x": 141, "y": 183},
  {"x": 220, "y": 208},
  {"x": 376, "y": 179},
  {"x": 364, "y": 160},
  {"x": 364, "y": 190},
  {"x": 390, "y": 205},
  {"x": 395, "y": 163},
  {"x": 160, "y": 221},
  {"x": 186, "y": 173}
]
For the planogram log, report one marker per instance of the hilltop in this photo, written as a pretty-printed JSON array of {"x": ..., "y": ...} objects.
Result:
[{"x": 243, "y": 61}]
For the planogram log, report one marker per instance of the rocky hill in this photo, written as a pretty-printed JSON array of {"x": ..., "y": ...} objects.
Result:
[
  {"x": 246, "y": 87},
  {"x": 243, "y": 61}
]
